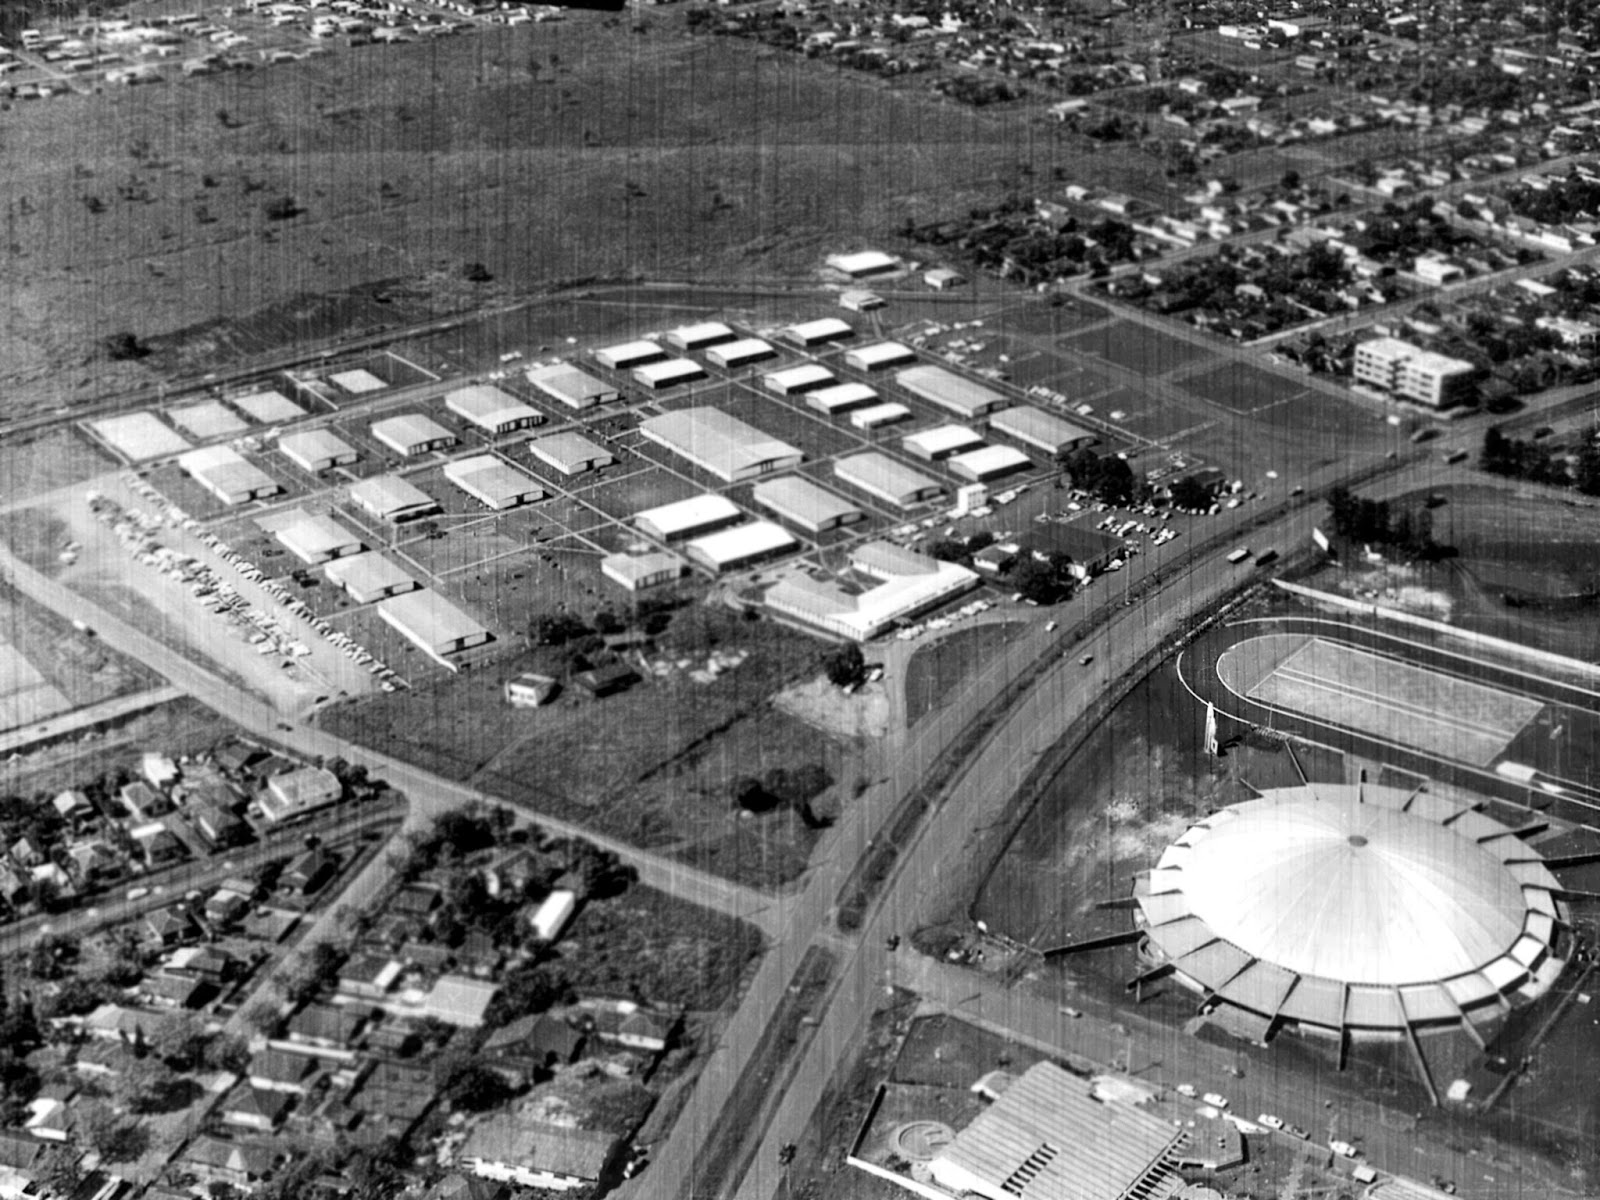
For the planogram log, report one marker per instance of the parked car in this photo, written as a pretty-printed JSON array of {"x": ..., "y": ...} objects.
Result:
[{"x": 1270, "y": 1121}]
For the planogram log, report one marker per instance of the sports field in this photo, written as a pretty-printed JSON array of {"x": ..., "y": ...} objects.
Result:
[{"x": 1405, "y": 705}]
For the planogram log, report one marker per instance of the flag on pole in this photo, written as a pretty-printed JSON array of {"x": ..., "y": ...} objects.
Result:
[{"x": 1211, "y": 730}]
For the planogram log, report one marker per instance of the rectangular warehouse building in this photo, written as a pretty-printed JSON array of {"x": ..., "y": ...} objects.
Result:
[
  {"x": 493, "y": 482},
  {"x": 940, "y": 442},
  {"x": 433, "y": 624},
  {"x": 818, "y": 332},
  {"x": 412, "y": 434},
  {"x": 667, "y": 374},
  {"x": 721, "y": 444},
  {"x": 878, "y": 356},
  {"x": 881, "y": 476},
  {"x": 963, "y": 397},
  {"x": 228, "y": 475},
  {"x": 391, "y": 498},
  {"x": 841, "y": 398},
  {"x": 698, "y": 337},
  {"x": 636, "y": 572},
  {"x": 992, "y": 462},
  {"x": 574, "y": 388},
  {"x": 741, "y": 546},
  {"x": 268, "y": 407},
  {"x": 1039, "y": 429},
  {"x": 570, "y": 453},
  {"x": 879, "y": 415},
  {"x": 740, "y": 354},
  {"x": 491, "y": 410},
  {"x": 368, "y": 577},
  {"x": 316, "y": 539},
  {"x": 629, "y": 355},
  {"x": 863, "y": 263},
  {"x": 207, "y": 420},
  {"x": 317, "y": 450},
  {"x": 800, "y": 502},
  {"x": 795, "y": 380},
  {"x": 685, "y": 518},
  {"x": 910, "y": 584}
]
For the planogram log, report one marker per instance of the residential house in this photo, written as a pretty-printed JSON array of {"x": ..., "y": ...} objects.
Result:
[
  {"x": 479, "y": 956},
  {"x": 218, "y": 1160},
  {"x": 18, "y": 1152},
  {"x": 74, "y": 807},
  {"x": 308, "y": 872},
  {"x": 460, "y": 1000},
  {"x": 169, "y": 926},
  {"x": 113, "y": 1023},
  {"x": 160, "y": 770},
  {"x": 226, "y": 906},
  {"x": 535, "y": 1154},
  {"x": 25, "y": 853},
  {"x": 14, "y": 884},
  {"x": 157, "y": 844},
  {"x": 170, "y": 991},
  {"x": 417, "y": 900},
  {"x": 466, "y": 1187},
  {"x": 625, "y": 1023},
  {"x": 237, "y": 757},
  {"x": 326, "y": 1025},
  {"x": 92, "y": 863},
  {"x": 142, "y": 801},
  {"x": 209, "y": 964},
  {"x": 398, "y": 1037},
  {"x": 253, "y": 1108},
  {"x": 51, "y": 1115},
  {"x": 398, "y": 1093},
  {"x": 369, "y": 976},
  {"x": 431, "y": 958},
  {"x": 218, "y": 826},
  {"x": 531, "y": 1046},
  {"x": 280, "y": 1071}
]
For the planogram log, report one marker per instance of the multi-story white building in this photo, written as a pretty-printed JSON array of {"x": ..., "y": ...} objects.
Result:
[{"x": 1412, "y": 373}]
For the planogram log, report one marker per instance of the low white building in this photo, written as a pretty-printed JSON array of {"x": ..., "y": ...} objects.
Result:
[
  {"x": 864, "y": 263},
  {"x": 793, "y": 381},
  {"x": 412, "y": 433},
  {"x": 818, "y": 332},
  {"x": 636, "y": 572},
  {"x": 570, "y": 453},
  {"x": 879, "y": 356},
  {"x": 369, "y": 577},
  {"x": 881, "y": 476},
  {"x": 554, "y": 911},
  {"x": 876, "y": 416},
  {"x": 493, "y": 482},
  {"x": 391, "y": 498},
  {"x": 685, "y": 518},
  {"x": 740, "y": 546},
  {"x": 991, "y": 462},
  {"x": 513, "y": 1149},
  {"x": 492, "y": 410},
  {"x": 671, "y": 373},
  {"x": 910, "y": 584},
  {"x": 316, "y": 539},
  {"x": 228, "y": 475},
  {"x": 316, "y": 450},
  {"x": 572, "y": 387},
  {"x": 433, "y": 624},
  {"x": 628, "y": 355},
  {"x": 841, "y": 398},
  {"x": 941, "y": 442},
  {"x": 700, "y": 335},
  {"x": 742, "y": 353}
]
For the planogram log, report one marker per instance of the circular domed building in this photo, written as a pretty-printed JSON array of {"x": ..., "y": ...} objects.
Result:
[{"x": 1354, "y": 912}]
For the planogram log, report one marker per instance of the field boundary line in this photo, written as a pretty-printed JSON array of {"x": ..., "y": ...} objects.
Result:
[{"x": 1548, "y": 657}]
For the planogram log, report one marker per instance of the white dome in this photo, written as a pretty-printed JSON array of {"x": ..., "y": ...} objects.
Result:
[
  {"x": 1351, "y": 891},
  {"x": 1345, "y": 906}
]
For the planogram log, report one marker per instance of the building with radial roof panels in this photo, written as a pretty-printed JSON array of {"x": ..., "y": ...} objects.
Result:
[
  {"x": 570, "y": 453},
  {"x": 819, "y": 332},
  {"x": 228, "y": 475},
  {"x": 686, "y": 518},
  {"x": 573, "y": 387},
  {"x": 881, "y": 476},
  {"x": 879, "y": 356},
  {"x": 809, "y": 505},
  {"x": 627, "y": 355},
  {"x": 699, "y": 336},
  {"x": 794, "y": 381},
  {"x": 493, "y": 482},
  {"x": 1354, "y": 912},
  {"x": 719, "y": 443},
  {"x": 369, "y": 577},
  {"x": 412, "y": 433},
  {"x": 1043, "y": 431},
  {"x": 391, "y": 498},
  {"x": 960, "y": 395},
  {"x": 492, "y": 410},
  {"x": 316, "y": 450},
  {"x": 741, "y": 546}
]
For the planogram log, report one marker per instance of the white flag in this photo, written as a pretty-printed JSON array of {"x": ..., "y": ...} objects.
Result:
[{"x": 1211, "y": 730}]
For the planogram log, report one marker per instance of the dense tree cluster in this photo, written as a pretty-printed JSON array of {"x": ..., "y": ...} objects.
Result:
[
  {"x": 1106, "y": 477},
  {"x": 1380, "y": 523},
  {"x": 1573, "y": 199}
]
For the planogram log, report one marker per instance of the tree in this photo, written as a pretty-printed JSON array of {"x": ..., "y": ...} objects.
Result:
[
  {"x": 281, "y": 209},
  {"x": 1190, "y": 494},
  {"x": 113, "y": 1137},
  {"x": 476, "y": 272},
  {"x": 148, "y": 1085},
  {"x": 474, "y": 1087},
  {"x": 845, "y": 666},
  {"x": 1043, "y": 582},
  {"x": 527, "y": 989},
  {"x": 555, "y": 629},
  {"x": 1291, "y": 180},
  {"x": 123, "y": 346},
  {"x": 181, "y": 1041}
]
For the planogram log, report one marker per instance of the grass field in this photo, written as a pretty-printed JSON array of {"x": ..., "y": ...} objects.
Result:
[
  {"x": 410, "y": 161},
  {"x": 1137, "y": 348},
  {"x": 1244, "y": 389},
  {"x": 937, "y": 670},
  {"x": 650, "y": 764}
]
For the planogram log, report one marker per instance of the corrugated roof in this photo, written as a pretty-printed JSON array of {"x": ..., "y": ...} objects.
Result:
[
  {"x": 717, "y": 441},
  {"x": 799, "y": 499}
]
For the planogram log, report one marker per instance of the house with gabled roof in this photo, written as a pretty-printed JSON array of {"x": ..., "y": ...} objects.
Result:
[
  {"x": 255, "y": 1108},
  {"x": 532, "y": 1045},
  {"x": 73, "y": 806},
  {"x": 170, "y": 991},
  {"x": 114, "y": 1023},
  {"x": 536, "y": 1154},
  {"x": 280, "y": 1071},
  {"x": 220, "y": 1160},
  {"x": 25, "y": 853},
  {"x": 169, "y": 926},
  {"x": 325, "y": 1025},
  {"x": 624, "y": 1023}
]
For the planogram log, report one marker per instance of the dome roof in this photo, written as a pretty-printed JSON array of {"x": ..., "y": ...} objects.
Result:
[{"x": 1350, "y": 886}]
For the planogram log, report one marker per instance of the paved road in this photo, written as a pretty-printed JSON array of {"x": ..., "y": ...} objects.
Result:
[
  {"x": 85, "y": 717},
  {"x": 428, "y": 794}
]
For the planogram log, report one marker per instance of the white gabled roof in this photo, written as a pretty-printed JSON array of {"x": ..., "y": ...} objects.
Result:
[
  {"x": 742, "y": 542},
  {"x": 941, "y": 439},
  {"x": 489, "y": 407},
  {"x": 694, "y": 513}
]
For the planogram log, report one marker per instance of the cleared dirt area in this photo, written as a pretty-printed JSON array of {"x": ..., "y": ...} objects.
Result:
[{"x": 408, "y": 162}]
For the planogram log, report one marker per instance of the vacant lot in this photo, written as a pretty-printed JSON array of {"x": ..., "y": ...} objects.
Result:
[
  {"x": 652, "y": 152},
  {"x": 937, "y": 670},
  {"x": 652, "y": 764},
  {"x": 1136, "y": 348}
]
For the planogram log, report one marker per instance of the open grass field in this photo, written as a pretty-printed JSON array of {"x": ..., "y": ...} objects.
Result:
[
  {"x": 1136, "y": 348},
  {"x": 651, "y": 764},
  {"x": 936, "y": 670},
  {"x": 408, "y": 162},
  {"x": 1244, "y": 389}
]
